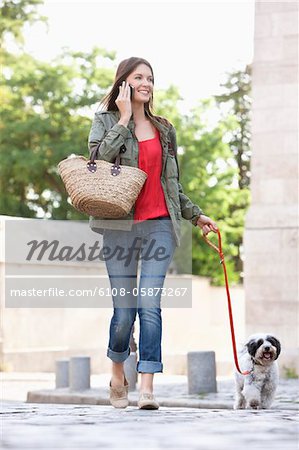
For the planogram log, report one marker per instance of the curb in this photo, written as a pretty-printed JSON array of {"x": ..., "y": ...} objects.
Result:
[{"x": 92, "y": 397}]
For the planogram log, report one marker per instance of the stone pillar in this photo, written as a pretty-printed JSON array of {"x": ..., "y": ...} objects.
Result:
[
  {"x": 79, "y": 373},
  {"x": 271, "y": 230},
  {"x": 201, "y": 372}
]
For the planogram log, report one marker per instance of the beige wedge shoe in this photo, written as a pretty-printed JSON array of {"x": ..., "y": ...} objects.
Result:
[
  {"x": 147, "y": 401},
  {"x": 119, "y": 395}
]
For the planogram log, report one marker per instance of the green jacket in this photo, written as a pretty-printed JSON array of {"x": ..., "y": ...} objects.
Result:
[{"x": 117, "y": 139}]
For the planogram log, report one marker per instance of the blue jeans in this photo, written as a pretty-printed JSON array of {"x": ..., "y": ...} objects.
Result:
[{"x": 153, "y": 241}]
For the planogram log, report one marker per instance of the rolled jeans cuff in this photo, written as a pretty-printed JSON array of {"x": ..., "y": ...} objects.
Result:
[
  {"x": 149, "y": 366},
  {"x": 118, "y": 356}
]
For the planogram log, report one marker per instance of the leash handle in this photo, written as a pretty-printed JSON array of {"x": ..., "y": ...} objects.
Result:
[{"x": 231, "y": 320}]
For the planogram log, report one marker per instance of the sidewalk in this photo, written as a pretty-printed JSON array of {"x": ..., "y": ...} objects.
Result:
[
  {"x": 92, "y": 426},
  {"x": 81, "y": 427},
  {"x": 170, "y": 391}
]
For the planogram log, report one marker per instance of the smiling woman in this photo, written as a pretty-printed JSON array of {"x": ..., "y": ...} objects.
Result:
[{"x": 128, "y": 127}]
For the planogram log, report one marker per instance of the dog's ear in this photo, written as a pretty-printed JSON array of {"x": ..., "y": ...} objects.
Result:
[
  {"x": 253, "y": 345},
  {"x": 275, "y": 342}
]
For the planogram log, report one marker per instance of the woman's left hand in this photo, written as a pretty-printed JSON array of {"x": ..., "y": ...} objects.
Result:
[{"x": 206, "y": 224}]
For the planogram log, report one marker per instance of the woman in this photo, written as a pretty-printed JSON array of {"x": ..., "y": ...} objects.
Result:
[{"x": 128, "y": 127}]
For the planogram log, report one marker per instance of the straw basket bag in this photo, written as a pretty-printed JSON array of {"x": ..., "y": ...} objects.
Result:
[{"x": 99, "y": 188}]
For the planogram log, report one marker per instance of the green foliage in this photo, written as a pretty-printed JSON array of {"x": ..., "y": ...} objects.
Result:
[
  {"x": 166, "y": 104},
  {"x": 14, "y": 14},
  {"x": 237, "y": 95},
  {"x": 43, "y": 121},
  {"x": 210, "y": 177}
]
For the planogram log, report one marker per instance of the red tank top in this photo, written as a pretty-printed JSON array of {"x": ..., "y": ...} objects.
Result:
[{"x": 151, "y": 201}]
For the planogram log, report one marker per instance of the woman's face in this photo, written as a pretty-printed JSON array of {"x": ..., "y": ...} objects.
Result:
[{"x": 142, "y": 81}]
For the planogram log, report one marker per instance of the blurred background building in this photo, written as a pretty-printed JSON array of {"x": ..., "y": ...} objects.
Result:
[{"x": 271, "y": 234}]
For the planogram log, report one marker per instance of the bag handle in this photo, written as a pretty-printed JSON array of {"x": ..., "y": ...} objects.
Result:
[{"x": 92, "y": 165}]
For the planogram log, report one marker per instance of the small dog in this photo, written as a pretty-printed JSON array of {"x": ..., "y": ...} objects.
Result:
[{"x": 257, "y": 390}]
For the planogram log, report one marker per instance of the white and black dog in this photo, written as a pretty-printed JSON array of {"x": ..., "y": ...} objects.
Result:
[{"x": 258, "y": 355}]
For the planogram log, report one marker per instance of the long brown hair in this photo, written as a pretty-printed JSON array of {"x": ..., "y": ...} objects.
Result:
[{"x": 124, "y": 69}]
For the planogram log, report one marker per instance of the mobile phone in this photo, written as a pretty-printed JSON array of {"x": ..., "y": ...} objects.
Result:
[{"x": 131, "y": 92}]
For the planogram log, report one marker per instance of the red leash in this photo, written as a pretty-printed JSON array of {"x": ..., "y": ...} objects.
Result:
[{"x": 231, "y": 321}]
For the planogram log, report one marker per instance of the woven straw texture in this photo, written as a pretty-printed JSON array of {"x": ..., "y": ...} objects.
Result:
[{"x": 100, "y": 193}]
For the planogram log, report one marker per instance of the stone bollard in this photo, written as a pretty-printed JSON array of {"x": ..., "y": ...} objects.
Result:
[
  {"x": 130, "y": 370},
  {"x": 62, "y": 373},
  {"x": 79, "y": 376},
  {"x": 201, "y": 372}
]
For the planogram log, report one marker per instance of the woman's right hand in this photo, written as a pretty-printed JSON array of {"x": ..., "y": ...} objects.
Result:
[{"x": 123, "y": 101}]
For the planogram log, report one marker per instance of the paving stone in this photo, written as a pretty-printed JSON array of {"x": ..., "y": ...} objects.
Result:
[{"x": 49, "y": 426}]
